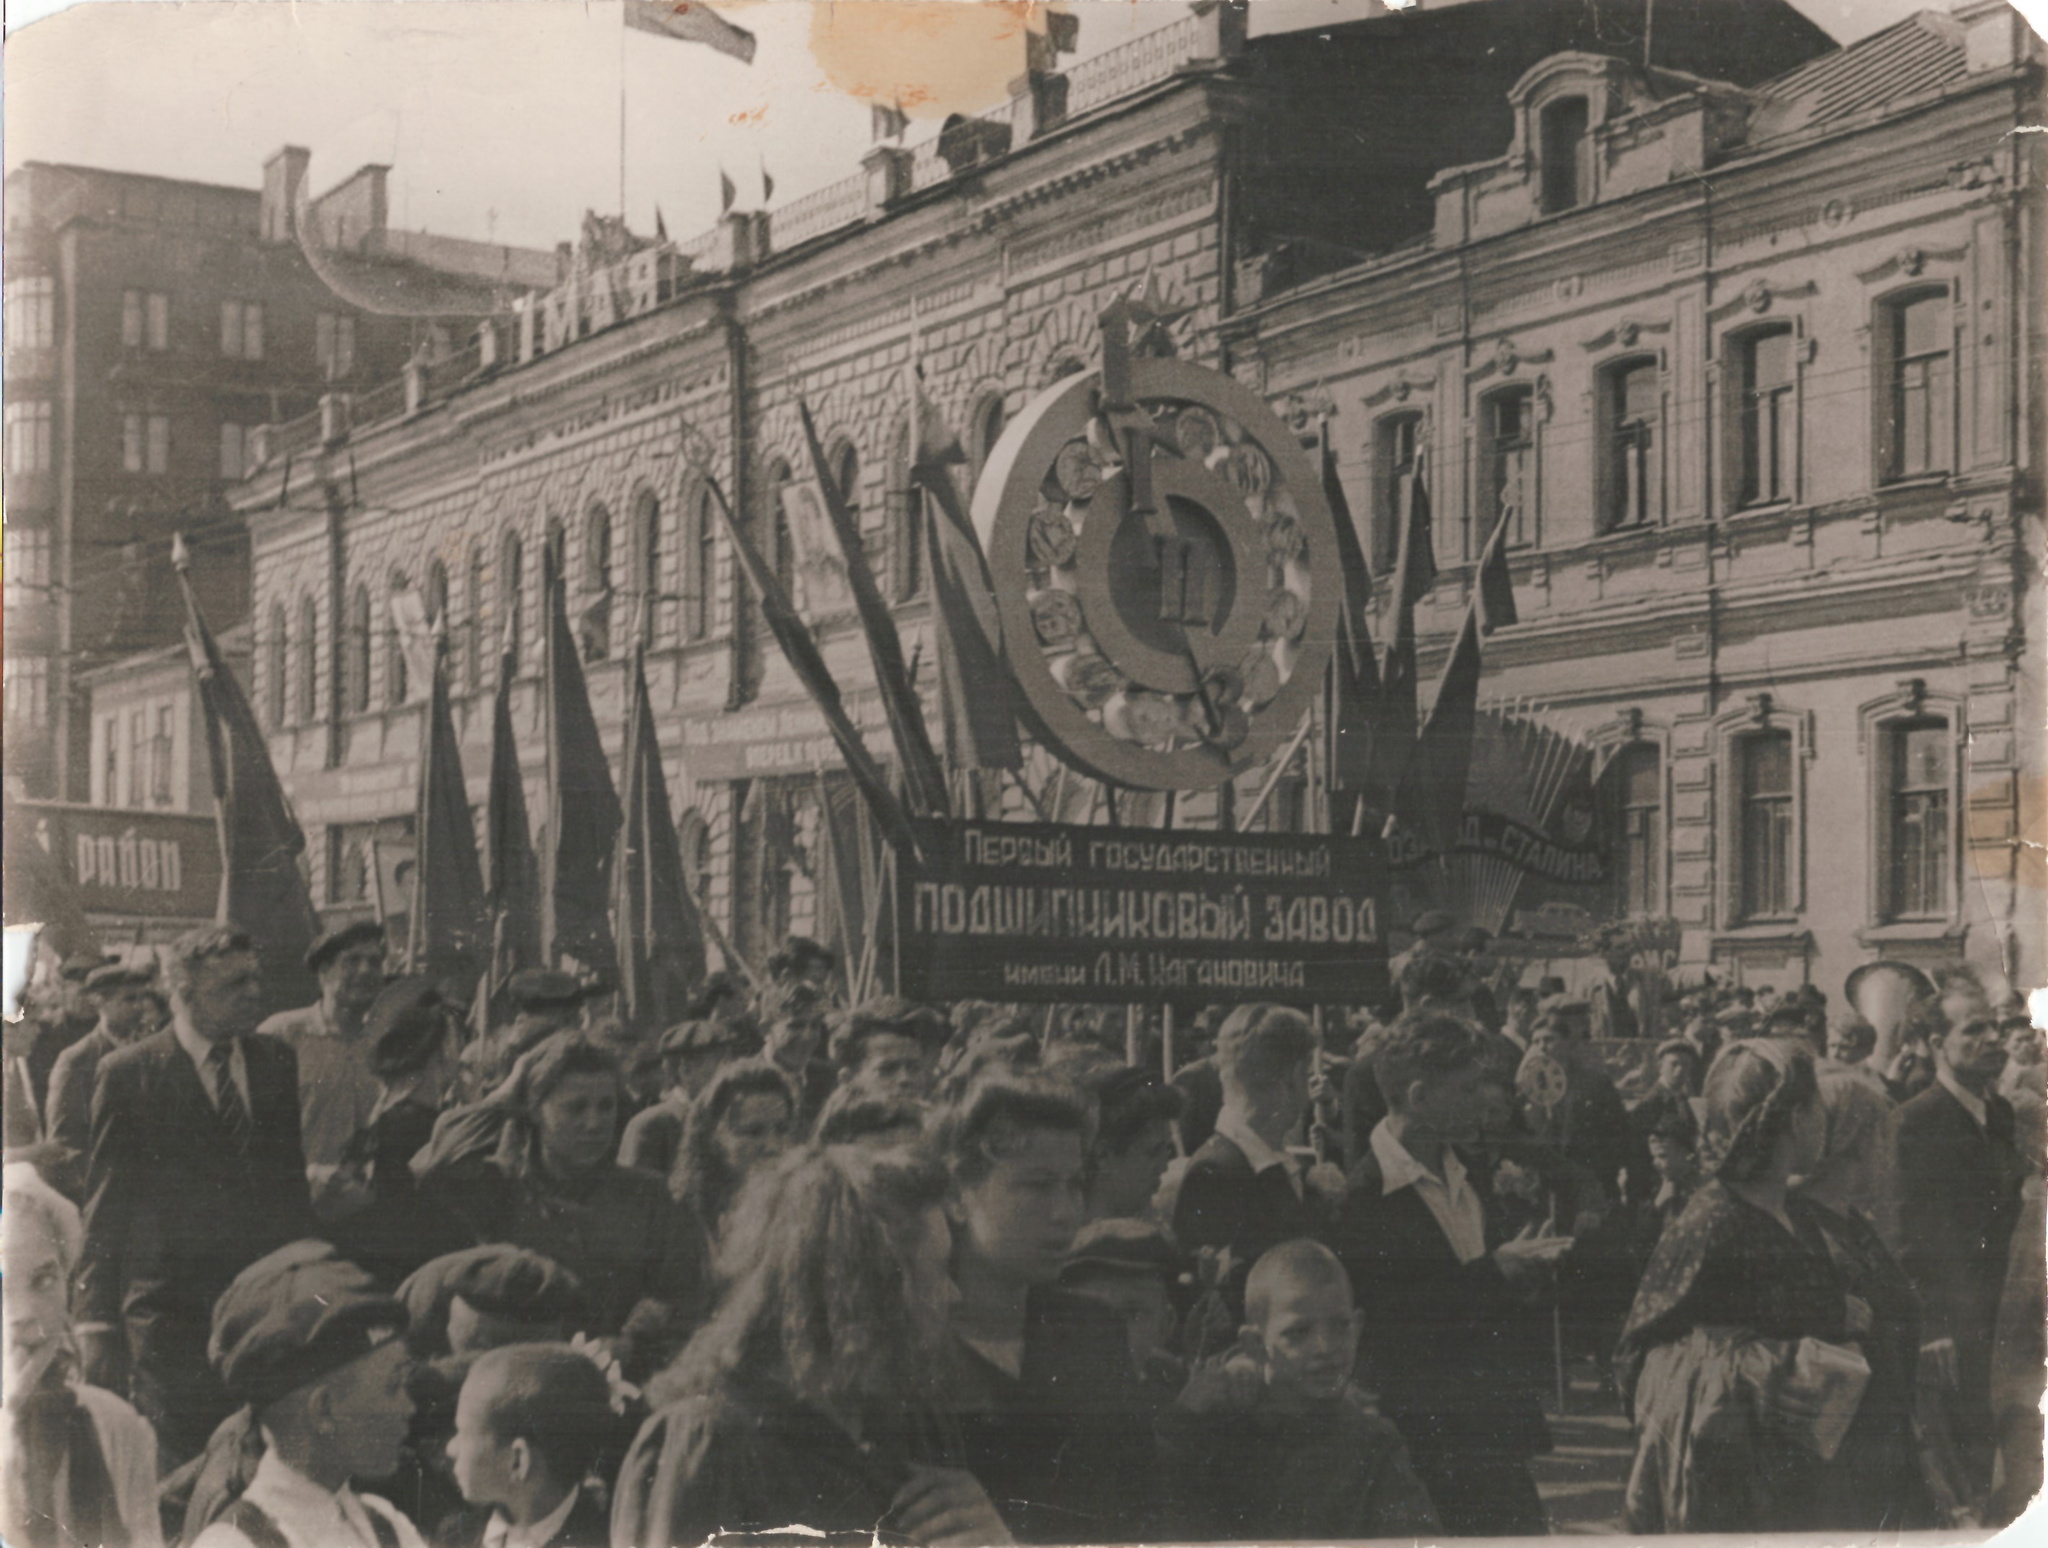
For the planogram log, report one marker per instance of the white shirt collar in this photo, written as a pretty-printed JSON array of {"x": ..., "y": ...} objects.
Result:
[
  {"x": 502, "y": 1534},
  {"x": 289, "y": 1496},
  {"x": 1231, "y": 1124},
  {"x": 1399, "y": 1170},
  {"x": 1972, "y": 1103}
]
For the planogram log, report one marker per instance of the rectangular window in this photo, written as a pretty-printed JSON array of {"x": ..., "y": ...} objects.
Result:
[
  {"x": 159, "y": 321},
  {"x": 230, "y": 451},
  {"x": 1921, "y": 386},
  {"x": 110, "y": 763},
  {"x": 159, "y": 454},
  {"x": 1917, "y": 843},
  {"x": 131, "y": 319},
  {"x": 1566, "y": 154},
  {"x": 131, "y": 443},
  {"x": 25, "y": 685},
  {"x": 32, "y": 312},
  {"x": 138, "y": 753},
  {"x": 29, "y": 446},
  {"x": 1768, "y": 863},
  {"x": 27, "y": 565},
  {"x": 1633, "y": 400},
  {"x": 1397, "y": 446},
  {"x": 1508, "y": 481},
  {"x": 241, "y": 330},
  {"x": 334, "y": 344},
  {"x": 1638, "y": 848},
  {"x": 160, "y": 748},
  {"x": 1766, "y": 415}
]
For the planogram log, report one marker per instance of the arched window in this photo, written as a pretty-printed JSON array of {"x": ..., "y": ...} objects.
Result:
[
  {"x": 277, "y": 655},
  {"x": 473, "y": 630},
  {"x": 1396, "y": 456},
  {"x": 597, "y": 584},
  {"x": 309, "y": 659},
  {"x": 437, "y": 595},
  {"x": 1766, "y": 415},
  {"x": 512, "y": 592},
  {"x": 781, "y": 555},
  {"x": 1919, "y": 785},
  {"x": 1631, "y": 409},
  {"x": 647, "y": 564},
  {"x": 1632, "y": 796},
  {"x": 358, "y": 658},
  {"x": 1507, "y": 469},
  {"x": 395, "y": 684},
  {"x": 1566, "y": 148},
  {"x": 1918, "y": 392},
  {"x": 699, "y": 586}
]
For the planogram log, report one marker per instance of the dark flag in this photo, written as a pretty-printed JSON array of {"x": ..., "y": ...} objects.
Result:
[
  {"x": 1414, "y": 574},
  {"x": 660, "y": 226},
  {"x": 924, "y": 778},
  {"x": 262, "y": 890},
  {"x": 728, "y": 191},
  {"x": 690, "y": 21},
  {"x": 583, "y": 806},
  {"x": 450, "y": 940},
  {"x": 801, "y": 651},
  {"x": 1495, "y": 586},
  {"x": 661, "y": 937},
  {"x": 886, "y": 121},
  {"x": 509, "y": 865},
  {"x": 767, "y": 184},
  {"x": 1358, "y": 732},
  {"x": 975, "y": 684}
]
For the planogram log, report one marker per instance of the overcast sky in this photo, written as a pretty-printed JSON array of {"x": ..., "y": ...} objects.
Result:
[{"x": 501, "y": 118}]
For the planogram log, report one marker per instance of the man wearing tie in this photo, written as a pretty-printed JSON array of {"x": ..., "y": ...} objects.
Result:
[{"x": 196, "y": 1171}]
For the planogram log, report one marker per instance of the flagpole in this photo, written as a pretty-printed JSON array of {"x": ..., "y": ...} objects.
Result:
[{"x": 622, "y": 112}]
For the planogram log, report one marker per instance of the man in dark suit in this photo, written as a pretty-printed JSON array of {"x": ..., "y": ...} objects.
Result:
[
  {"x": 126, "y": 1000},
  {"x": 196, "y": 1171},
  {"x": 1958, "y": 1172},
  {"x": 1243, "y": 1190},
  {"x": 1452, "y": 1339}
]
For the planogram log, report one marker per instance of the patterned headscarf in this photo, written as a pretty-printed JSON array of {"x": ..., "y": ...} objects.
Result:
[{"x": 1745, "y": 1116}]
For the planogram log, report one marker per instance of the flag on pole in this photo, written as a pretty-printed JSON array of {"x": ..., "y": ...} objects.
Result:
[
  {"x": 660, "y": 936},
  {"x": 1360, "y": 731},
  {"x": 805, "y": 659},
  {"x": 262, "y": 888},
  {"x": 728, "y": 191},
  {"x": 924, "y": 778},
  {"x": 976, "y": 687},
  {"x": 1414, "y": 574},
  {"x": 449, "y": 932},
  {"x": 690, "y": 21},
  {"x": 1495, "y": 588},
  {"x": 509, "y": 868},
  {"x": 767, "y": 184},
  {"x": 887, "y": 121},
  {"x": 583, "y": 806},
  {"x": 660, "y": 226}
]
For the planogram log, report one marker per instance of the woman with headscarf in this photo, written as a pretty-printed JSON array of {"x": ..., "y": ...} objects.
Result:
[
  {"x": 1734, "y": 1358},
  {"x": 742, "y": 1120},
  {"x": 77, "y": 1463},
  {"x": 808, "y": 1397},
  {"x": 534, "y": 1165}
]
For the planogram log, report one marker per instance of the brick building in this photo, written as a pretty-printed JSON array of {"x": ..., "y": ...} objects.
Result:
[
  {"x": 1247, "y": 178},
  {"x": 1755, "y": 377},
  {"x": 151, "y": 325}
]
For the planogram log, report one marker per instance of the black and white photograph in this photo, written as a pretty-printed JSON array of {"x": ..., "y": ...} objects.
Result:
[{"x": 820, "y": 773}]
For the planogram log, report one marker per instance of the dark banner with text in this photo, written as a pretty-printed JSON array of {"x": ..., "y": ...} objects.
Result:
[
  {"x": 1529, "y": 851},
  {"x": 1035, "y": 912}
]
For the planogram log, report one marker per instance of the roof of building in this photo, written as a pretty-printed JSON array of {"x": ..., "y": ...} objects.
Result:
[{"x": 1923, "y": 53}]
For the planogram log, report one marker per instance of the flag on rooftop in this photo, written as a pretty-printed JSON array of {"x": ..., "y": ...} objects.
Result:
[
  {"x": 262, "y": 887},
  {"x": 690, "y": 21}
]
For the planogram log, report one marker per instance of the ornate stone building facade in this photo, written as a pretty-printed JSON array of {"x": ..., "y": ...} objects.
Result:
[
  {"x": 1576, "y": 346},
  {"x": 1754, "y": 378}
]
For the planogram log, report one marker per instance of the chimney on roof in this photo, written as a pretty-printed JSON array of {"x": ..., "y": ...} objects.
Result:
[{"x": 282, "y": 175}]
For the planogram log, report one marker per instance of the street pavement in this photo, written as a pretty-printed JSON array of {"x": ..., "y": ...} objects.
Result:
[{"x": 1582, "y": 1479}]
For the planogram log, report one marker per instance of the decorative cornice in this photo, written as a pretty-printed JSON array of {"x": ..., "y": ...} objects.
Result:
[
  {"x": 1760, "y": 295},
  {"x": 1623, "y": 333},
  {"x": 1399, "y": 389},
  {"x": 1507, "y": 360}
]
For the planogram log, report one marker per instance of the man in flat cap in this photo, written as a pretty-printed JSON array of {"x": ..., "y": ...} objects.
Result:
[
  {"x": 544, "y": 1001},
  {"x": 125, "y": 999},
  {"x": 337, "y": 1092},
  {"x": 313, "y": 1347},
  {"x": 691, "y": 1053},
  {"x": 196, "y": 1171},
  {"x": 62, "y": 1018}
]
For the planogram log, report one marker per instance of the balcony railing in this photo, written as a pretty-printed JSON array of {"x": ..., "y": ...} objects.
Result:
[
  {"x": 1138, "y": 63},
  {"x": 843, "y": 203}
]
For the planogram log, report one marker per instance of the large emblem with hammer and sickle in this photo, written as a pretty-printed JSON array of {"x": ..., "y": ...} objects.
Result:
[{"x": 1154, "y": 534}]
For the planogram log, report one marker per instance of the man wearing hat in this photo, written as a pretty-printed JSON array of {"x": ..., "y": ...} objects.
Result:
[
  {"x": 196, "y": 1171},
  {"x": 65, "y": 1018},
  {"x": 337, "y": 1092},
  {"x": 316, "y": 1351},
  {"x": 544, "y": 1001},
  {"x": 127, "y": 1005},
  {"x": 1670, "y": 1100},
  {"x": 691, "y": 1053}
]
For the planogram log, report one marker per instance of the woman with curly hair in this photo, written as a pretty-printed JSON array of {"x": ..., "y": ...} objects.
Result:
[
  {"x": 745, "y": 1118},
  {"x": 1052, "y": 1415},
  {"x": 1735, "y": 1356},
  {"x": 807, "y": 1399}
]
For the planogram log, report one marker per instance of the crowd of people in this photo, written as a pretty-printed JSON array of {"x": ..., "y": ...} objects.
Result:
[{"x": 358, "y": 1274}]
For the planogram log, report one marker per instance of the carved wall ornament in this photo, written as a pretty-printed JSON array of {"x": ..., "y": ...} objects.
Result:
[
  {"x": 1837, "y": 213},
  {"x": 1912, "y": 261},
  {"x": 1399, "y": 390},
  {"x": 1625, "y": 333},
  {"x": 1508, "y": 358},
  {"x": 1756, "y": 295}
]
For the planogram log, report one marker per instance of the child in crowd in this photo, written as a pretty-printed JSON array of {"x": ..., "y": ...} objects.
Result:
[
  {"x": 1132, "y": 1267},
  {"x": 1274, "y": 1441},
  {"x": 531, "y": 1421}
]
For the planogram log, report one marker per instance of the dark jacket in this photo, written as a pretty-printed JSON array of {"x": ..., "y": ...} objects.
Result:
[
  {"x": 67, "y": 1117},
  {"x": 1224, "y": 1203},
  {"x": 174, "y": 1211},
  {"x": 1455, "y": 1353},
  {"x": 588, "y": 1525},
  {"x": 1959, "y": 1200}
]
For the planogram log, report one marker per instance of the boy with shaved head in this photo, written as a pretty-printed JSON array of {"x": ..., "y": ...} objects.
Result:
[
  {"x": 532, "y": 1422},
  {"x": 1274, "y": 1441}
]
